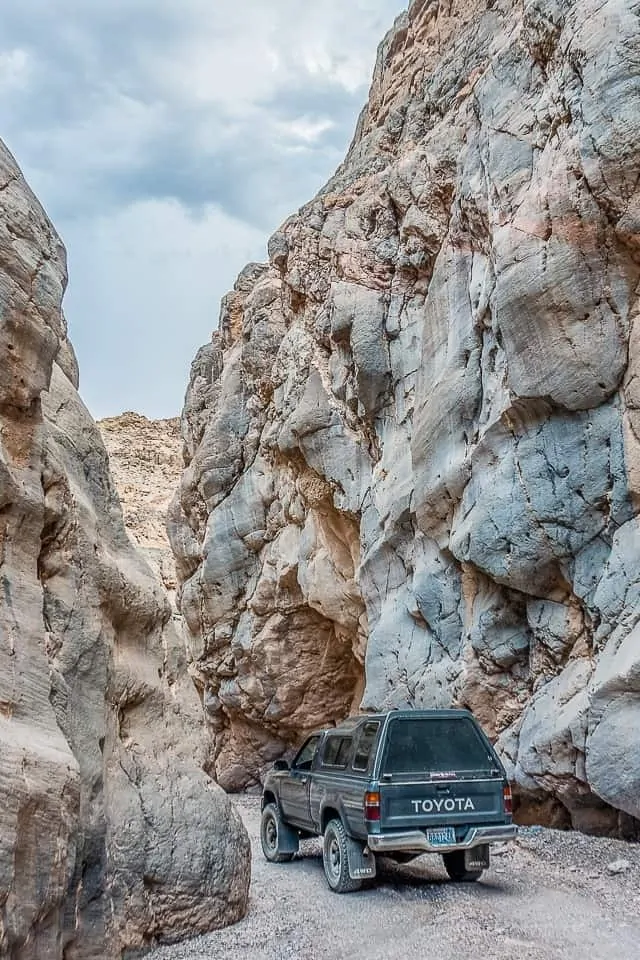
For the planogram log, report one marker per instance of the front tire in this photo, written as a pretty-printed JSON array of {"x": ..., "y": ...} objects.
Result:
[
  {"x": 454, "y": 865},
  {"x": 335, "y": 859},
  {"x": 271, "y": 830}
]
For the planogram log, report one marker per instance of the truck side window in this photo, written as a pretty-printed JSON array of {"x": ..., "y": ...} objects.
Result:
[
  {"x": 304, "y": 758},
  {"x": 364, "y": 745},
  {"x": 336, "y": 752}
]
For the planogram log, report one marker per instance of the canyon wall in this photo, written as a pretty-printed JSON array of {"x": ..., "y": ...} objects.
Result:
[
  {"x": 111, "y": 834},
  {"x": 145, "y": 459},
  {"x": 413, "y": 443}
]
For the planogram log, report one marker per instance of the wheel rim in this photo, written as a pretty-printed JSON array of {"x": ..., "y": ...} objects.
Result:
[
  {"x": 333, "y": 857},
  {"x": 271, "y": 833}
]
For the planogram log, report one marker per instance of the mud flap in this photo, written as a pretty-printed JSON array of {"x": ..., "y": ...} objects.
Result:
[
  {"x": 477, "y": 858},
  {"x": 362, "y": 866},
  {"x": 288, "y": 838}
]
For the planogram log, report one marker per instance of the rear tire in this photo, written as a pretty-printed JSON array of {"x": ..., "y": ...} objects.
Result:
[
  {"x": 335, "y": 859},
  {"x": 271, "y": 829},
  {"x": 454, "y": 865}
]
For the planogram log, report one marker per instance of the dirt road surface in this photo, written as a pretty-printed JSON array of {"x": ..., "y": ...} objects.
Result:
[{"x": 548, "y": 896}]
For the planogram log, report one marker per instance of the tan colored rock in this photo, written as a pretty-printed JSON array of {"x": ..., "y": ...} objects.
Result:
[
  {"x": 111, "y": 834},
  {"x": 442, "y": 342},
  {"x": 145, "y": 459}
]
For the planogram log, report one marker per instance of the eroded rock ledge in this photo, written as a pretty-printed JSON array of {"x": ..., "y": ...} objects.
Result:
[
  {"x": 111, "y": 834},
  {"x": 413, "y": 443}
]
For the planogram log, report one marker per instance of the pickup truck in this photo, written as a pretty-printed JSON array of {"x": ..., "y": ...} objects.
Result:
[{"x": 398, "y": 784}]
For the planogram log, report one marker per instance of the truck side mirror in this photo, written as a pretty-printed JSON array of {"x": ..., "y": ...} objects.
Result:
[{"x": 281, "y": 765}]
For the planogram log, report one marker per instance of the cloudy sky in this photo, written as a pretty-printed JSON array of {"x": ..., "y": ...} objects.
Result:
[{"x": 167, "y": 139}]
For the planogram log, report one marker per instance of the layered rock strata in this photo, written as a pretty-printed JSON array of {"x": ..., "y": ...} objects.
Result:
[
  {"x": 145, "y": 460},
  {"x": 413, "y": 443},
  {"x": 111, "y": 835}
]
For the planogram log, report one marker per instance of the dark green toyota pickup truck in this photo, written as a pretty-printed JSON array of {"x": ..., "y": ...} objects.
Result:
[{"x": 400, "y": 784}]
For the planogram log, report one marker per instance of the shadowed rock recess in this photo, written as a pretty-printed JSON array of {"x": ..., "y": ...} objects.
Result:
[
  {"x": 111, "y": 834},
  {"x": 413, "y": 445}
]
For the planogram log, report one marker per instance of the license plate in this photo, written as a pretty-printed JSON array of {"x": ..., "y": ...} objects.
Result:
[{"x": 443, "y": 837}]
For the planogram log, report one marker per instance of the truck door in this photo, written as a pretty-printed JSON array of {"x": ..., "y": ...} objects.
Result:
[{"x": 294, "y": 789}]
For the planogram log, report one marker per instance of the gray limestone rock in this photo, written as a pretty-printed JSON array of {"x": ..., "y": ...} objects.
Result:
[{"x": 448, "y": 376}]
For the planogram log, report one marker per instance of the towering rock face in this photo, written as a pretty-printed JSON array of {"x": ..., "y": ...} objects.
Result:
[
  {"x": 413, "y": 443},
  {"x": 111, "y": 834}
]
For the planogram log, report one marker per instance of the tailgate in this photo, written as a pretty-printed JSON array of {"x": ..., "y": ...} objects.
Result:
[{"x": 417, "y": 805}]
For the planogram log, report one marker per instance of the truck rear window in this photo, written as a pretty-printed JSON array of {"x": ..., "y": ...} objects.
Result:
[{"x": 435, "y": 746}]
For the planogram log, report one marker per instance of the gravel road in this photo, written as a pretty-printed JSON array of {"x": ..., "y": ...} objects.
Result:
[{"x": 549, "y": 896}]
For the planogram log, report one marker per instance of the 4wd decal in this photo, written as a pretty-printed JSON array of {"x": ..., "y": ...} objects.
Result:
[{"x": 448, "y": 805}]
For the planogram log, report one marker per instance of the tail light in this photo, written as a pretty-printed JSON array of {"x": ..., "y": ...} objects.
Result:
[
  {"x": 372, "y": 805},
  {"x": 507, "y": 799}
]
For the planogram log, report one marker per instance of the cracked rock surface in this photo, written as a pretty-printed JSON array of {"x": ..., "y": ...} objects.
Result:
[
  {"x": 413, "y": 457},
  {"x": 111, "y": 834}
]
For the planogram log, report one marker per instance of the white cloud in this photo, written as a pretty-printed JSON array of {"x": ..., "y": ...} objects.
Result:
[
  {"x": 167, "y": 139},
  {"x": 243, "y": 51},
  {"x": 143, "y": 296},
  {"x": 305, "y": 129},
  {"x": 14, "y": 69}
]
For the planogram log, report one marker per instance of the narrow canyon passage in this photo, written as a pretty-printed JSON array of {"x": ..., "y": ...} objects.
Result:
[
  {"x": 406, "y": 474},
  {"x": 550, "y": 896}
]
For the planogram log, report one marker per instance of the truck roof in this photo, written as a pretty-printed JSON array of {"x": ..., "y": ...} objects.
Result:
[{"x": 350, "y": 723}]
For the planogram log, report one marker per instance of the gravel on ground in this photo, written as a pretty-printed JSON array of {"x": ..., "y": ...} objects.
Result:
[{"x": 548, "y": 896}]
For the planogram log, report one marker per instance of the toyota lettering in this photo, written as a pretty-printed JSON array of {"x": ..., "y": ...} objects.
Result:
[{"x": 446, "y": 805}]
